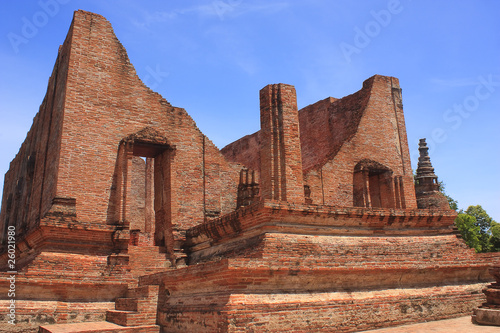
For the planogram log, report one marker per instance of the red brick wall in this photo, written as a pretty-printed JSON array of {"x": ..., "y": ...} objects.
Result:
[
  {"x": 31, "y": 314},
  {"x": 30, "y": 183},
  {"x": 325, "y": 312},
  {"x": 380, "y": 136},
  {"x": 115, "y": 104},
  {"x": 336, "y": 134},
  {"x": 94, "y": 100},
  {"x": 285, "y": 282},
  {"x": 79, "y": 172},
  {"x": 280, "y": 153},
  {"x": 137, "y": 219},
  {"x": 245, "y": 151},
  {"x": 316, "y": 134}
]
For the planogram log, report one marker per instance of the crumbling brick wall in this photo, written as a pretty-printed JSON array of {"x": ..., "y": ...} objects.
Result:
[
  {"x": 30, "y": 183},
  {"x": 380, "y": 136},
  {"x": 337, "y": 134},
  {"x": 94, "y": 100}
]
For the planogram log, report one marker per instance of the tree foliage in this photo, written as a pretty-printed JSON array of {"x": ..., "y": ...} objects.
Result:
[
  {"x": 466, "y": 224},
  {"x": 495, "y": 236},
  {"x": 477, "y": 228},
  {"x": 452, "y": 202}
]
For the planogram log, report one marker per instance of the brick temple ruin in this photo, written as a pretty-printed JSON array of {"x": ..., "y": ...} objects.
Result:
[{"x": 130, "y": 219}]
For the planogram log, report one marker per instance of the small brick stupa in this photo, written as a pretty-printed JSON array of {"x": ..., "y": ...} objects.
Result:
[
  {"x": 426, "y": 182},
  {"x": 489, "y": 312}
]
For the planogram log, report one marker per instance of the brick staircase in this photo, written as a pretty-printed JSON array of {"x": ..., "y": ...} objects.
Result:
[
  {"x": 147, "y": 259},
  {"x": 134, "y": 313},
  {"x": 96, "y": 327},
  {"x": 138, "y": 308}
]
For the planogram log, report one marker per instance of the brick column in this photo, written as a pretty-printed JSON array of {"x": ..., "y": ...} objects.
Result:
[
  {"x": 280, "y": 151},
  {"x": 149, "y": 205},
  {"x": 126, "y": 185},
  {"x": 366, "y": 188},
  {"x": 397, "y": 195}
]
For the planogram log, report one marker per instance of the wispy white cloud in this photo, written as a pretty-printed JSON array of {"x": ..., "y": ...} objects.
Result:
[
  {"x": 155, "y": 17},
  {"x": 247, "y": 65},
  {"x": 216, "y": 9},
  {"x": 457, "y": 82},
  {"x": 231, "y": 46},
  {"x": 223, "y": 8}
]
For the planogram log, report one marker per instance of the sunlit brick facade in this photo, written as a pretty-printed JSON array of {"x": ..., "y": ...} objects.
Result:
[{"x": 126, "y": 213}]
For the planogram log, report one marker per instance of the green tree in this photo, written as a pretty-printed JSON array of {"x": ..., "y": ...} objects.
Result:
[
  {"x": 495, "y": 236},
  {"x": 478, "y": 229},
  {"x": 452, "y": 202},
  {"x": 470, "y": 232},
  {"x": 483, "y": 220}
]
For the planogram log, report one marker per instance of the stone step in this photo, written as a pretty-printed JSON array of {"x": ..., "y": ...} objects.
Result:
[
  {"x": 131, "y": 318},
  {"x": 138, "y": 308},
  {"x": 142, "y": 292},
  {"x": 485, "y": 316},
  {"x": 152, "y": 254},
  {"x": 145, "y": 260},
  {"x": 126, "y": 304},
  {"x": 135, "y": 304},
  {"x": 97, "y": 327}
]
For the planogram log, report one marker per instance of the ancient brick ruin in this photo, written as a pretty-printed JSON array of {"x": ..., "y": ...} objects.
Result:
[
  {"x": 426, "y": 182},
  {"x": 489, "y": 312},
  {"x": 126, "y": 213}
]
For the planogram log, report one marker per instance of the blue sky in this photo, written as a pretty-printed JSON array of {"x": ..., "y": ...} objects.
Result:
[{"x": 212, "y": 58}]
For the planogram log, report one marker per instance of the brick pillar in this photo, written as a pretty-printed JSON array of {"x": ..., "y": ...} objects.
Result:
[
  {"x": 402, "y": 192},
  {"x": 366, "y": 188},
  {"x": 149, "y": 205},
  {"x": 280, "y": 152},
  {"x": 397, "y": 195},
  {"x": 406, "y": 181},
  {"x": 126, "y": 185}
]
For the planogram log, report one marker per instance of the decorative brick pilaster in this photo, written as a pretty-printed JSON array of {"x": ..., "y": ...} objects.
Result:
[{"x": 280, "y": 150}]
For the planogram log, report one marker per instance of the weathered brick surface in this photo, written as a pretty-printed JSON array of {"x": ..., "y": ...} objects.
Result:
[
  {"x": 426, "y": 182},
  {"x": 278, "y": 267},
  {"x": 245, "y": 151},
  {"x": 280, "y": 152},
  {"x": 97, "y": 327},
  {"x": 337, "y": 134},
  {"x": 236, "y": 298},
  {"x": 489, "y": 312},
  {"x": 73, "y": 194},
  {"x": 319, "y": 312},
  {"x": 31, "y": 314},
  {"x": 137, "y": 309},
  {"x": 30, "y": 183},
  {"x": 98, "y": 101},
  {"x": 119, "y": 200},
  {"x": 155, "y": 257}
]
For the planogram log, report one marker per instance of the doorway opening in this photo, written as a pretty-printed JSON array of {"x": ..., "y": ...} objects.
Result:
[{"x": 372, "y": 185}]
